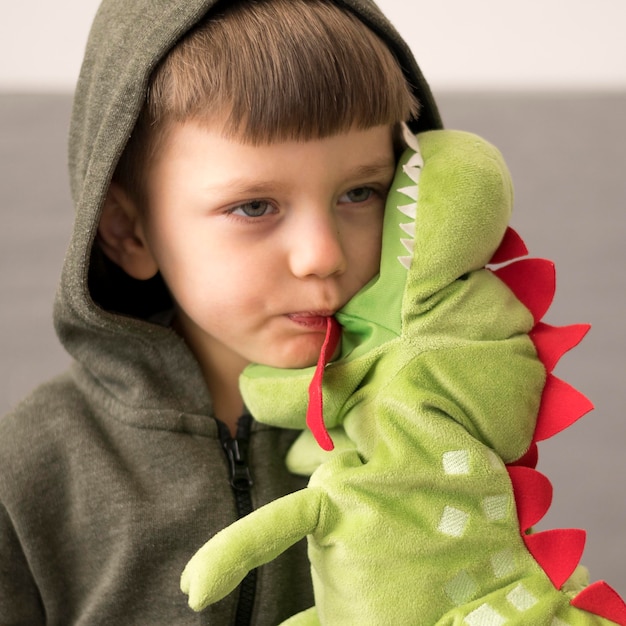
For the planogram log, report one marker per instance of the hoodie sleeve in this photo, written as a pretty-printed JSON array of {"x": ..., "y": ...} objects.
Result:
[{"x": 20, "y": 602}]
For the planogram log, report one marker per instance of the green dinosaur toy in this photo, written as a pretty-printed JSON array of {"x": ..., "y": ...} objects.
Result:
[{"x": 422, "y": 512}]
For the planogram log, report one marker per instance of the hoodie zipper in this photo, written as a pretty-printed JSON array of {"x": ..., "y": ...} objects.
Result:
[{"x": 236, "y": 450}]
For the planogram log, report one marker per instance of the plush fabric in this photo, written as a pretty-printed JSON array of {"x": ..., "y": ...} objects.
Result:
[{"x": 422, "y": 512}]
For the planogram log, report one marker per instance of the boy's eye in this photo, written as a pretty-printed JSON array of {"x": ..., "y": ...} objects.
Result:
[
  {"x": 254, "y": 208},
  {"x": 360, "y": 194}
]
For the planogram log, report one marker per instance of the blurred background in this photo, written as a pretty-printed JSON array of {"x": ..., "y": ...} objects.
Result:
[
  {"x": 545, "y": 80},
  {"x": 461, "y": 45}
]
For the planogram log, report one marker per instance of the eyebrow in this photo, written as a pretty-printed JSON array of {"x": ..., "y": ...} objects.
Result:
[{"x": 381, "y": 167}]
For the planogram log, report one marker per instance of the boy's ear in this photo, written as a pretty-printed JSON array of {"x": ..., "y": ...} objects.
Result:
[{"x": 121, "y": 235}]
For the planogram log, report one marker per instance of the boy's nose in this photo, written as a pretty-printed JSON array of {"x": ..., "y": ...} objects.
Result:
[{"x": 317, "y": 250}]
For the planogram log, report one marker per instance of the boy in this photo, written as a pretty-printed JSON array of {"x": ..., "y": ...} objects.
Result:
[{"x": 229, "y": 164}]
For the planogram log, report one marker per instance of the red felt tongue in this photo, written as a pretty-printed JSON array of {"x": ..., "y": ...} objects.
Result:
[{"x": 315, "y": 410}]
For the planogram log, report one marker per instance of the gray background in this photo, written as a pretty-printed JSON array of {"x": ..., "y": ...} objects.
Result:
[{"x": 567, "y": 153}]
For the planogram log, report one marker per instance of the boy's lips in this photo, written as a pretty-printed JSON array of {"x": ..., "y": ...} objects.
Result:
[{"x": 315, "y": 320}]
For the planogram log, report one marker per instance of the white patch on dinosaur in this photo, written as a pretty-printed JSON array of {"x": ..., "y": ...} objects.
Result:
[
  {"x": 461, "y": 589},
  {"x": 456, "y": 462},
  {"x": 495, "y": 461},
  {"x": 521, "y": 598},
  {"x": 559, "y": 622},
  {"x": 453, "y": 522},
  {"x": 496, "y": 508},
  {"x": 503, "y": 564},
  {"x": 485, "y": 616}
]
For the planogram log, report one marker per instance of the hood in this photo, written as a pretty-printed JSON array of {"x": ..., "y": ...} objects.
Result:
[{"x": 101, "y": 314}]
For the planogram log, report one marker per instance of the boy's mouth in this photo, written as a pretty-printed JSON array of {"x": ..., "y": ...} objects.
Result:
[{"x": 314, "y": 320}]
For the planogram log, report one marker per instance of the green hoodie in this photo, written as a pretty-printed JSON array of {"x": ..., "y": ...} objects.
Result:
[{"x": 114, "y": 473}]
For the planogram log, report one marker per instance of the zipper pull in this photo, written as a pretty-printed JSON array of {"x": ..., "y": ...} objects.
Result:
[{"x": 236, "y": 453}]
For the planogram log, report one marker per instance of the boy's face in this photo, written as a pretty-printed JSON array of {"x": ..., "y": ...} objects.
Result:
[{"x": 258, "y": 244}]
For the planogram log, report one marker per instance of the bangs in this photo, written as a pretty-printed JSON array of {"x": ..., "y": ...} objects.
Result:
[
  {"x": 277, "y": 70},
  {"x": 265, "y": 71}
]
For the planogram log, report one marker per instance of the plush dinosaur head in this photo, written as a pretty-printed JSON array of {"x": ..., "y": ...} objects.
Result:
[{"x": 446, "y": 213}]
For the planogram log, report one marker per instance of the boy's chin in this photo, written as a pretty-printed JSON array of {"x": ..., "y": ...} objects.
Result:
[
  {"x": 296, "y": 364},
  {"x": 302, "y": 357}
]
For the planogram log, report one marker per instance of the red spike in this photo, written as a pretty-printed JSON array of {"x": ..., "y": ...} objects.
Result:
[
  {"x": 557, "y": 551},
  {"x": 601, "y": 599},
  {"x": 511, "y": 247},
  {"x": 552, "y": 342},
  {"x": 533, "y": 495},
  {"x": 561, "y": 405},
  {"x": 530, "y": 459},
  {"x": 315, "y": 410},
  {"x": 533, "y": 283}
]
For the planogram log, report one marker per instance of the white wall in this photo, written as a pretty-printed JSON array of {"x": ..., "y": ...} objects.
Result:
[{"x": 460, "y": 44}]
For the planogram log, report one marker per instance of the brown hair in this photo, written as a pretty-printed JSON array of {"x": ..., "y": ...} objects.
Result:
[{"x": 270, "y": 70}]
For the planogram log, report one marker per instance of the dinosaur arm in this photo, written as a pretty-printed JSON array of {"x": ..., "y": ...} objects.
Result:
[{"x": 223, "y": 562}]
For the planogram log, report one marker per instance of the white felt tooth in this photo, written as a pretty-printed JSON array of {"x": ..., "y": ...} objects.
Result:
[
  {"x": 410, "y": 192},
  {"x": 410, "y": 210},
  {"x": 409, "y": 244},
  {"x": 416, "y": 161},
  {"x": 409, "y": 229},
  {"x": 413, "y": 173},
  {"x": 409, "y": 137},
  {"x": 405, "y": 261}
]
